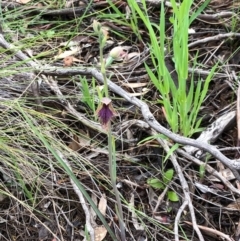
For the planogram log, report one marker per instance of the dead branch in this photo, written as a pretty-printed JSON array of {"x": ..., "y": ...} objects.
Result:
[
  {"x": 214, "y": 232},
  {"x": 210, "y": 170},
  {"x": 213, "y": 38},
  {"x": 216, "y": 16}
]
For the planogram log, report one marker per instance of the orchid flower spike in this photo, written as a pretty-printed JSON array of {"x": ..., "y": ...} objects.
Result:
[{"x": 106, "y": 112}]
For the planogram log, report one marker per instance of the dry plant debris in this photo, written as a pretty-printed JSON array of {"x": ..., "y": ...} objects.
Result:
[{"x": 50, "y": 92}]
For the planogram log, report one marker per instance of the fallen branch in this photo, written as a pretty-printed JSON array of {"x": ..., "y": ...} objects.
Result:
[
  {"x": 209, "y": 169},
  {"x": 213, "y": 232},
  {"x": 213, "y": 38}
]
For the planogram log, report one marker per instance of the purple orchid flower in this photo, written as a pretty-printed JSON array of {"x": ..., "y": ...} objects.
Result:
[{"x": 105, "y": 112}]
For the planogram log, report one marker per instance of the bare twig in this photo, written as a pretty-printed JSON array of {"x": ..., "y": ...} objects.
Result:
[
  {"x": 177, "y": 218},
  {"x": 210, "y": 170},
  {"x": 212, "y": 132},
  {"x": 81, "y": 198},
  {"x": 213, "y": 38},
  {"x": 57, "y": 221},
  {"x": 238, "y": 117},
  {"x": 185, "y": 189},
  {"x": 68, "y": 222},
  {"x": 216, "y": 16},
  {"x": 44, "y": 10},
  {"x": 206, "y": 72},
  {"x": 158, "y": 2},
  {"x": 160, "y": 198},
  {"x": 217, "y": 233}
]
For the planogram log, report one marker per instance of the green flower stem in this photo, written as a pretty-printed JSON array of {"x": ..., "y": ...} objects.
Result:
[
  {"x": 103, "y": 69},
  {"x": 111, "y": 146},
  {"x": 112, "y": 171}
]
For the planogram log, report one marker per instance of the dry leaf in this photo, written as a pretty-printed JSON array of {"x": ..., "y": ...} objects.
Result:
[
  {"x": 68, "y": 61},
  {"x": 79, "y": 142},
  {"x": 76, "y": 41},
  {"x": 226, "y": 173},
  {"x": 144, "y": 91},
  {"x": 100, "y": 233},
  {"x": 92, "y": 212},
  {"x": 68, "y": 53},
  {"x": 102, "y": 206},
  {"x": 69, "y": 44},
  {"x": 74, "y": 145},
  {"x": 152, "y": 198},
  {"x": 135, "y": 222},
  {"x": 134, "y": 85}
]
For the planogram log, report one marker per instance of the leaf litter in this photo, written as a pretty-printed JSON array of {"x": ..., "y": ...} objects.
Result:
[{"x": 38, "y": 201}]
